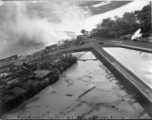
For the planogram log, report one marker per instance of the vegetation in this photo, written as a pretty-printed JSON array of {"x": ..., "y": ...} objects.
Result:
[{"x": 128, "y": 24}]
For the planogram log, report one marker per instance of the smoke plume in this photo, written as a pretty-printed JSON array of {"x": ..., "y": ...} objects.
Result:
[{"x": 26, "y": 26}]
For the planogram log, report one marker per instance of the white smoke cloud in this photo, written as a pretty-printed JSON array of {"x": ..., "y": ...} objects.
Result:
[{"x": 20, "y": 32}]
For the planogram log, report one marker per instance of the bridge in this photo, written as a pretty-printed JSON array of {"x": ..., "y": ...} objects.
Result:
[
  {"x": 133, "y": 84},
  {"x": 88, "y": 46}
]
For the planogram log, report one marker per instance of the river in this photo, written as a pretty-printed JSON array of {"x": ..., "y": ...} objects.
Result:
[
  {"x": 85, "y": 89},
  {"x": 92, "y": 21},
  {"x": 140, "y": 63}
]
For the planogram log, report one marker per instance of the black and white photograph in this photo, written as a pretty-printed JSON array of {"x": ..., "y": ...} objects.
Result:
[{"x": 75, "y": 59}]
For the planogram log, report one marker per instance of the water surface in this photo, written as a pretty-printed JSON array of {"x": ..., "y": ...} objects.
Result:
[{"x": 140, "y": 63}]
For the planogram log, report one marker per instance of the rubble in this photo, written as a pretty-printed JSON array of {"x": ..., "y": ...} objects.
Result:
[{"x": 26, "y": 80}]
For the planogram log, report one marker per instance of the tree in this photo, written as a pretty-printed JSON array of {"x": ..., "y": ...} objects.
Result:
[
  {"x": 129, "y": 18},
  {"x": 128, "y": 24},
  {"x": 144, "y": 17},
  {"x": 83, "y": 31},
  {"x": 107, "y": 23}
]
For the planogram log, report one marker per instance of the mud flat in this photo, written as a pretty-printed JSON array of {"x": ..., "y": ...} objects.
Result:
[{"x": 84, "y": 90}]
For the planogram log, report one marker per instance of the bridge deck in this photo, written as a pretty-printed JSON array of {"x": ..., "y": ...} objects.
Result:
[
  {"x": 82, "y": 48},
  {"x": 135, "y": 45}
]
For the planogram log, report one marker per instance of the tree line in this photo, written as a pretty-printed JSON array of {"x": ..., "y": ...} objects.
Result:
[{"x": 128, "y": 24}]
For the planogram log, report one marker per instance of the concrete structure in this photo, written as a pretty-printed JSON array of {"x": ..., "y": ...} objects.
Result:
[{"x": 134, "y": 85}]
